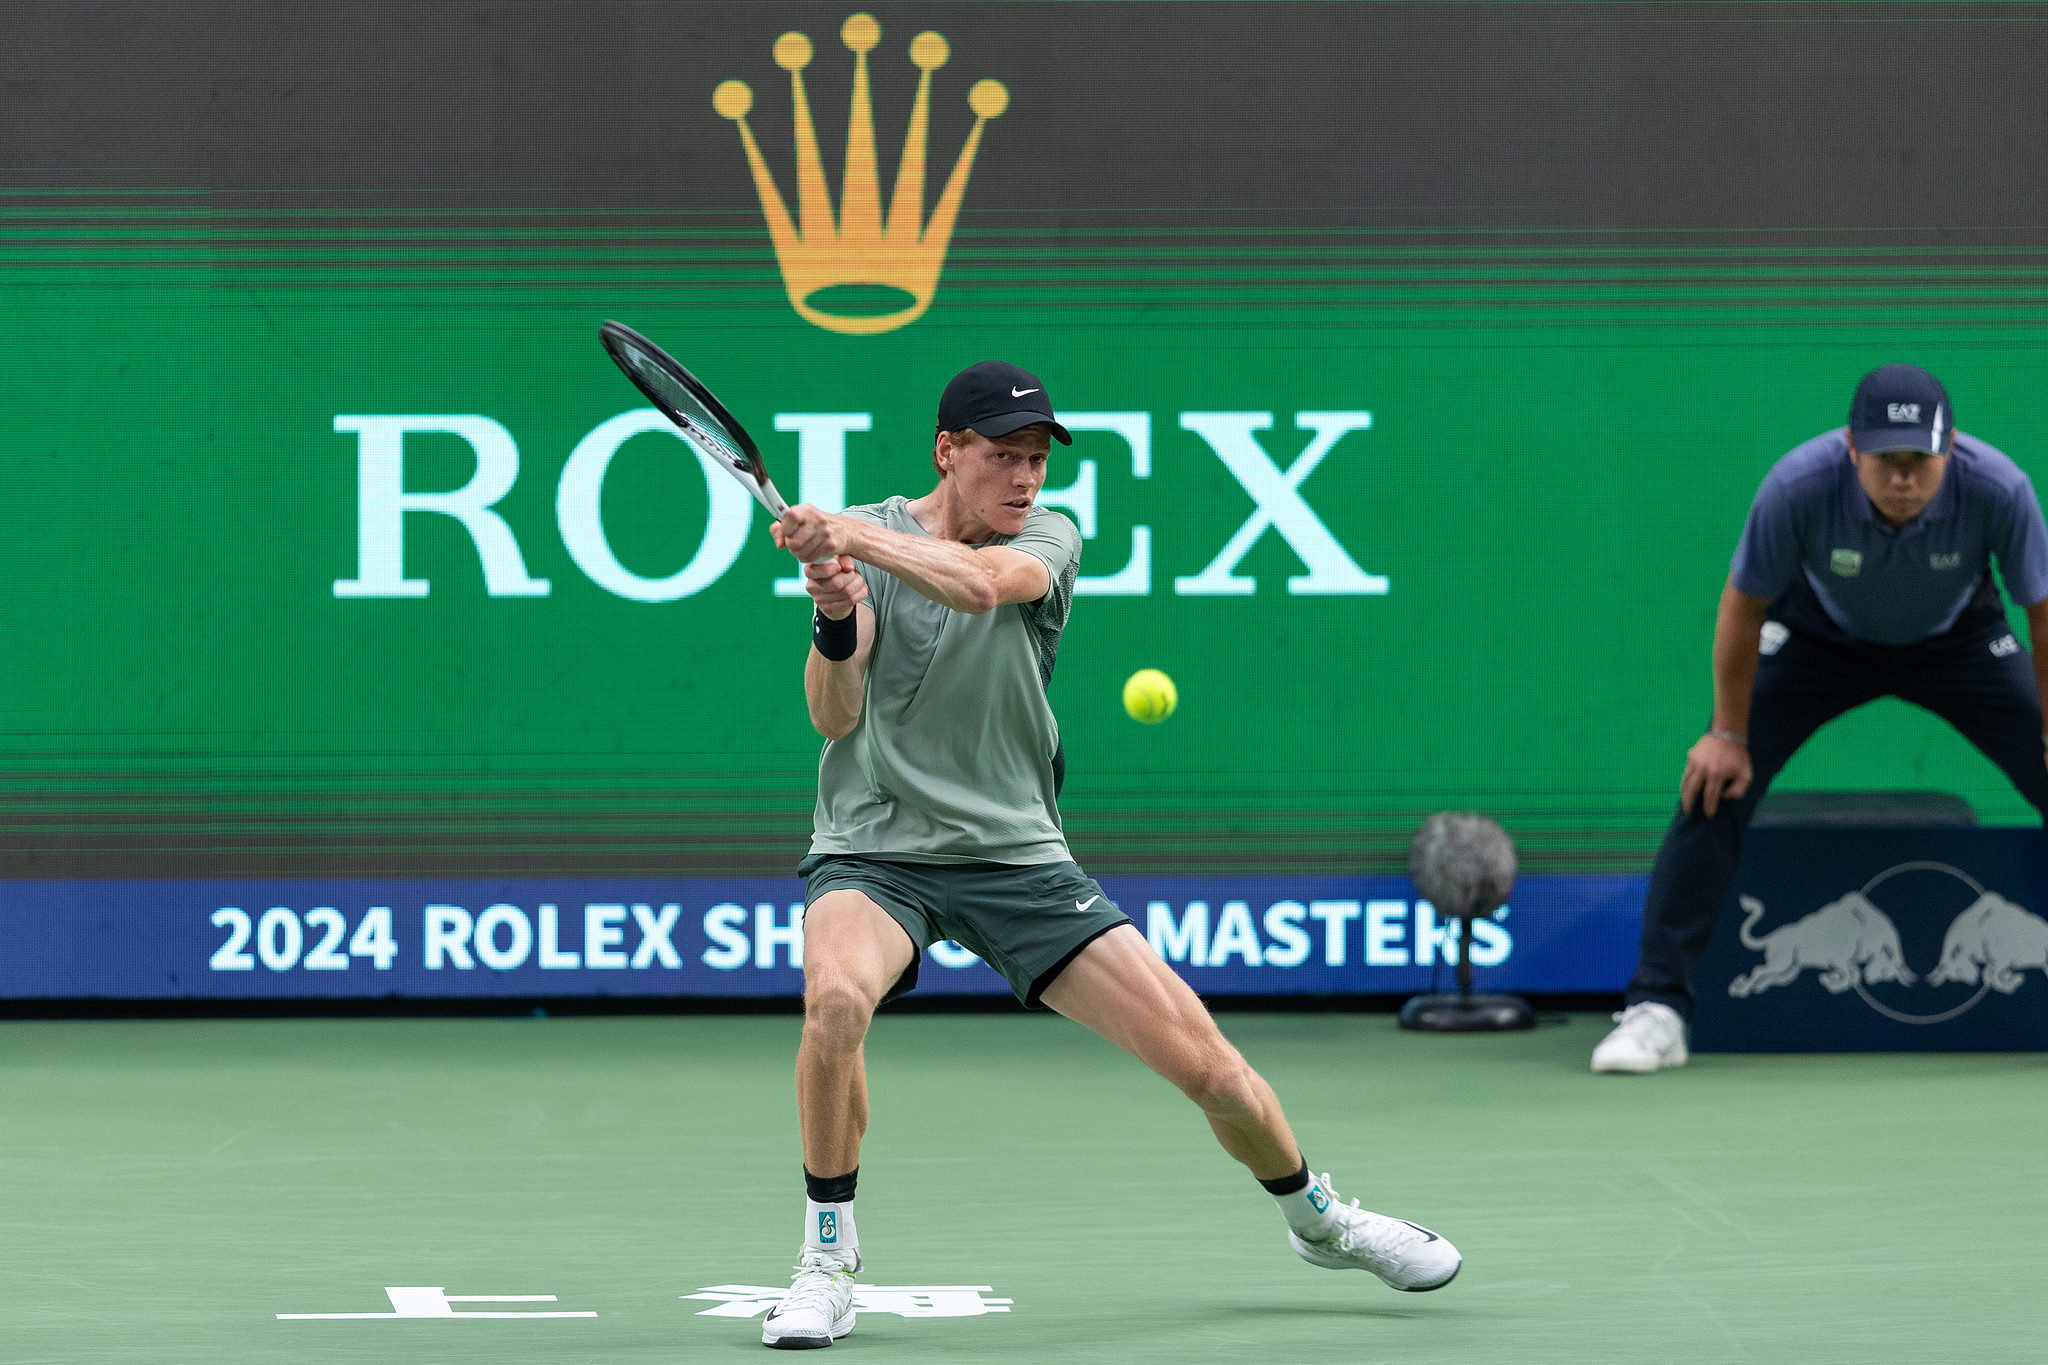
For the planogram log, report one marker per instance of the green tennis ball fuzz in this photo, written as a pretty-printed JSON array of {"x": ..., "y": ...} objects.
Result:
[{"x": 1149, "y": 696}]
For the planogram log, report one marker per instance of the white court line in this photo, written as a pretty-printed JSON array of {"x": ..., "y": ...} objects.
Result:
[
  {"x": 302, "y": 1317},
  {"x": 420, "y": 1301}
]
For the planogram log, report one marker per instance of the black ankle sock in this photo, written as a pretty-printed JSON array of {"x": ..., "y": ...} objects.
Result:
[
  {"x": 1286, "y": 1184},
  {"x": 838, "y": 1189}
]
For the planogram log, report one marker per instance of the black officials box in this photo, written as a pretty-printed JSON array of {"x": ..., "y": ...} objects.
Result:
[{"x": 1878, "y": 922}]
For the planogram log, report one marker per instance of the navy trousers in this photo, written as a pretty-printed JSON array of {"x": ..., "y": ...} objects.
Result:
[{"x": 1976, "y": 676}]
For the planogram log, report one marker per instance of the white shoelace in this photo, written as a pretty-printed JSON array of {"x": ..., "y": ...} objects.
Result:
[
  {"x": 1639, "y": 1018},
  {"x": 1378, "y": 1234},
  {"x": 1365, "y": 1229},
  {"x": 811, "y": 1286}
]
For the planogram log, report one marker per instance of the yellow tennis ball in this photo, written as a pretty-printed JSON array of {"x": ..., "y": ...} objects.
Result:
[{"x": 1150, "y": 696}]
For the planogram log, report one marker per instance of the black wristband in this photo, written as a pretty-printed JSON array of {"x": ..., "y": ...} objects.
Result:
[{"x": 835, "y": 639}]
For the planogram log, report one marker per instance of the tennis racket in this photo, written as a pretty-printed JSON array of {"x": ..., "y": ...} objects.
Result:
[{"x": 696, "y": 411}]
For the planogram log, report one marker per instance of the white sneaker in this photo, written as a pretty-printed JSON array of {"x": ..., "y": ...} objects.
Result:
[
  {"x": 1647, "y": 1037},
  {"x": 1404, "y": 1254},
  {"x": 818, "y": 1309}
]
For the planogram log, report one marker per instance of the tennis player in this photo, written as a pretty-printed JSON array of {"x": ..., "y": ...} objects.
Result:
[
  {"x": 933, "y": 641},
  {"x": 1864, "y": 571}
]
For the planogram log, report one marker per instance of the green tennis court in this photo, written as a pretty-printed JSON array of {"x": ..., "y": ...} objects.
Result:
[{"x": 172, "y": 1186}]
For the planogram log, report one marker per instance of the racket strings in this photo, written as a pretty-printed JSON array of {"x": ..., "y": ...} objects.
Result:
[
  {"x": 683, "y": 406},
  {"x": 697, "y": 414}
]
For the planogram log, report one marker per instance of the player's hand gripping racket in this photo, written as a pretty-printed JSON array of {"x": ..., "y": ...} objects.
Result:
[{"x": 696, "y": 411}]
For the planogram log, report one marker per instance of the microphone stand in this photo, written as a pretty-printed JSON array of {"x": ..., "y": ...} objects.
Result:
[{"x": 1465, "y": 1012}]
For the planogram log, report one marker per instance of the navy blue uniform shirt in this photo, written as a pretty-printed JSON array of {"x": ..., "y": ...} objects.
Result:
[{"x": 1892, "y": 586}]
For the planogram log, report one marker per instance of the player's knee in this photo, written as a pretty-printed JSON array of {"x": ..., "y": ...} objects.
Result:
[
  {"x": 837, "y": 1007},
  {"x": 1218, "y": 1081}
]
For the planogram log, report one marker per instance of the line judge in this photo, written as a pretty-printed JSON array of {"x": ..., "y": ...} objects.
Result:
[{"x": 1864, "y": 571}]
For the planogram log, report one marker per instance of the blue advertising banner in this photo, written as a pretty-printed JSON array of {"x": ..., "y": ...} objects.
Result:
[
  {"x": 1879, "y": 940},
  {"x": 727, "y": 936}
]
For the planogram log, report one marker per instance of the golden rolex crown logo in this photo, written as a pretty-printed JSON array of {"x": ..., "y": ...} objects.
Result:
[{"x": 859, "y": 256}]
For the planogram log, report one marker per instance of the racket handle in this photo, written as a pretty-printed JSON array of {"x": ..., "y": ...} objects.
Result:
[{"x": 772, "y": 500}]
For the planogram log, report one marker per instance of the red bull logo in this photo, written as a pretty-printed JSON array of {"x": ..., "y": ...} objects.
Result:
[
  {"x": 1993, "y": 941},
  {"x": 1853, "y": 944},
  {"x": 1850, "y": 942}
]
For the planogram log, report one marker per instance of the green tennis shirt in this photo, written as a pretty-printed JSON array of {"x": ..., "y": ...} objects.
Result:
[{"x": 951, "y": 760}]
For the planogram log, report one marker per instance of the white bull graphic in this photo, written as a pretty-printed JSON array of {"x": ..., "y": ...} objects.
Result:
[
  {"x": 1850, "y": 942},
  {"x": 1996, "y": 936}
]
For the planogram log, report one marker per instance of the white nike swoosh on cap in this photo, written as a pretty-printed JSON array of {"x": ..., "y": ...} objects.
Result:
[
  {"x": 1019, "y": 393},
  {"x": 1083, "y": 905}
]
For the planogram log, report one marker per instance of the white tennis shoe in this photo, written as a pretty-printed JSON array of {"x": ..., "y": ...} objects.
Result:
[
  {"x": 1405, "y": 1255},
  {"x": 818, "y": 1309},
  {"x": 1647, "y": 1037}
]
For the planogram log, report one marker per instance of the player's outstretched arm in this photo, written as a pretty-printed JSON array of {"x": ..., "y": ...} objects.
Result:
[
  {"x": 949, "y": 573},
  {"x": 1717, "y": 767}
]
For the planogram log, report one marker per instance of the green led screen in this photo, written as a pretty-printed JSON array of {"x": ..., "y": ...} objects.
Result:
[{"x": 1428, "y": 357}]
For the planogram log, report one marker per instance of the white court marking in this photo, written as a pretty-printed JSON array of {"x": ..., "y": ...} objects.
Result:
[
  {"x": 904, "y": 1300},
  {"x": 423, "y": 1301}
]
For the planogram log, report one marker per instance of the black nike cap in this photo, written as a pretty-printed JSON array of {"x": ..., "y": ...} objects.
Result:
[
  {"x": 1901, "y": 407},
  {"x": 996, "y": 399}
]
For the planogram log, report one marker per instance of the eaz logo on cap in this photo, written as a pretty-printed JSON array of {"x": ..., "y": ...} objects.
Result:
[
  {"x": 1902, "y": 412},
  {"x": 878, "y": 275}
]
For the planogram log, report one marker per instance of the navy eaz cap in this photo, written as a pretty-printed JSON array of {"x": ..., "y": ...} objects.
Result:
[
  {"x": 996, "y": 399},
  {"x": 1901, "y": 407}
]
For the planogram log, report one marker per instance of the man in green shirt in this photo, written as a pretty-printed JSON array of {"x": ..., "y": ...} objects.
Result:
[{"x": 938, "y": 620}]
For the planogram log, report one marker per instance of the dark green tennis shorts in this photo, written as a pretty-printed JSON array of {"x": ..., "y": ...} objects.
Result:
[{"x": 1026, "y": 922}]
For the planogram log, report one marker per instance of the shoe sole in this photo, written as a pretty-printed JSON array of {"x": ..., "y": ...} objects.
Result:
[
  {"x": 806, "y": 1342},
  {"x": 1346, "y": 1265},
  {"x": 1661, "y": 1064},
  {"x": 1428, "y": 1288}
]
